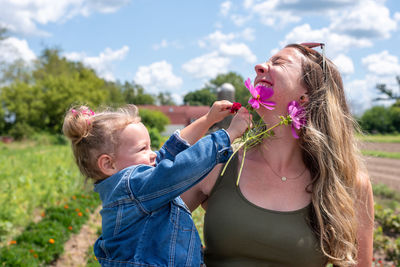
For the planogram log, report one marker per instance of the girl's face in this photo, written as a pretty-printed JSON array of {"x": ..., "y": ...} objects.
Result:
[
  {"x": 134, "y": 147},
  {"x": 283, "y": 73}
]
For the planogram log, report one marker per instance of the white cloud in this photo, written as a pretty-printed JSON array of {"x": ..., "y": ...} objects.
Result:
[
  {"x": 24, "y": 16},
  {"x": 163, "y": 44},
  {"x": 207, "y": 66},
  {"x": 344, "y": 64},
  {"x": 370, "y": 19},
  {"x": 102, "y": 64},
  {"x": 335, "y": 43},
  {"x": 239, "y": 20},
  {"x": 248, "y": 34},
  {"x": 225, "y": 8},
  {"x": 397, "y": 16},
  {"x": 12, "y": 49},
  {"x": 225, "y": 45},
  {"x": 359, "y": 94},
  {"x": 158, "y": 77},
  {"x": 216, "y": 39},
  {"x": 382, "y": 64},
  {"x": 269, "y": 13},
  {"x": 238, "y": 50}
]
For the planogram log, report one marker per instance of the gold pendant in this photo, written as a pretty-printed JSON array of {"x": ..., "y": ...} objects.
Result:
[{"x": 283, "y": 178}]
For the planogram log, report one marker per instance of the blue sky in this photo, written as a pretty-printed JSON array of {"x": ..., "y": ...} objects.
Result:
[{"x": 177, "y": 46}]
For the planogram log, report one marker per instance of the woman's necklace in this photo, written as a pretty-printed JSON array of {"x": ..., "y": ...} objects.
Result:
[{"x": 283, "y": 178}]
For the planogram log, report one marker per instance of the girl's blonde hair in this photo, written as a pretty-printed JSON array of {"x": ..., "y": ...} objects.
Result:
[
  {"x": 93, "y": 134},
  {"x": 330, "y": 152}
]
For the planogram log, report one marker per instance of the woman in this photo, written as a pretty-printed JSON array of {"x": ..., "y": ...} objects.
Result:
[{"x": 300, "y": 202}]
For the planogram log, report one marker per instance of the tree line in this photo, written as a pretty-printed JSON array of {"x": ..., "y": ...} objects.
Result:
[{"x": 35, "y": 97}]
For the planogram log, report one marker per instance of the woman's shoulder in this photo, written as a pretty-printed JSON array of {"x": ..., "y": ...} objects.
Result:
[{"x": 362, "y": 183}]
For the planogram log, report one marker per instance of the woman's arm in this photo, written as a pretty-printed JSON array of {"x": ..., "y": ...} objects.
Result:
[
  {"x": 365, "y": 214},
  {"x": 198, "y": 194}
]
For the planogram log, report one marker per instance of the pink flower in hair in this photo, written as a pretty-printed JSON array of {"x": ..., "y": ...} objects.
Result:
[{"x": 297, "y": 115}]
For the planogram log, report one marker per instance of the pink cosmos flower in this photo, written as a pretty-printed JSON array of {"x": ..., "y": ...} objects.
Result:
[
  {"x": 297, "y": 114},
  {"x": 259, "y": 95}
]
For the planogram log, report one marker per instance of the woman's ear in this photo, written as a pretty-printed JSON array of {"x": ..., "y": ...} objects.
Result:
[
  {"x": 304, "y": 99},
  {"x": 106, "y": 164}
]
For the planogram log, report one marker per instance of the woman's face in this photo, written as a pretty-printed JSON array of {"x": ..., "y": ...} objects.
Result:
[{"x": 283, "y": 73}]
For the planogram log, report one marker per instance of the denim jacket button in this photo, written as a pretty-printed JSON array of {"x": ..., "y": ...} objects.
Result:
[{"x": 225, "y": 153}]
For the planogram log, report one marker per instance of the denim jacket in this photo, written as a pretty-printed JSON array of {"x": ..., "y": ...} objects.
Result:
[{"x": 144, "y": 221}]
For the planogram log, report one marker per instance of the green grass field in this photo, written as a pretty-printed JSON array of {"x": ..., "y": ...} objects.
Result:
[
  {"x": 380, "y": 138},
  {"x": 381, "y": 154},
  {"x": 38, "y": 176},
  {"x": 33, "y": 178}
]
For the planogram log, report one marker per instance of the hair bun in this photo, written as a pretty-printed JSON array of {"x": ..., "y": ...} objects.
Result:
[{"x": 77, "y": 123}]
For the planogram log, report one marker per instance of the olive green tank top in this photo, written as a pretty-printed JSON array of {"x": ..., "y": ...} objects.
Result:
[{"x": 239, "y": 233}]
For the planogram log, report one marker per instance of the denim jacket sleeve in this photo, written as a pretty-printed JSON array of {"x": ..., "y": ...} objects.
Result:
[
  {"x": 172, "y": 147},
  {"x": 153, "y": 187}
]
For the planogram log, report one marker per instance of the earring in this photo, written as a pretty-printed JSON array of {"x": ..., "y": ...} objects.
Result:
[{"x": 302, "y": 98}]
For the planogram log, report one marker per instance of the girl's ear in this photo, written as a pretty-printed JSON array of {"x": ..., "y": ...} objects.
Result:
[{"x": 106, "y": 164}]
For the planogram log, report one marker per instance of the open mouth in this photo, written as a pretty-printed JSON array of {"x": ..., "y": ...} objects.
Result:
[{"x": 264, "y": 83}]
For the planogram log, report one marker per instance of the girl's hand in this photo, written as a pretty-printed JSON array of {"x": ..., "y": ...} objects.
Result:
[
  {"x": 218, "y": 111},
  {"x": 240, "y": 123}
]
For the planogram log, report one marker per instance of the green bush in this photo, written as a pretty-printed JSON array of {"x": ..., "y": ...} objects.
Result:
[
  {"x": 154, "y": 119},
  {"x": 42, "y": 242},
  {"x": 44, "y": 138},
  {"x": 381, "y": 119},
  {"x": 155, "y": 138},
  {"x": 20, "y": 130}
]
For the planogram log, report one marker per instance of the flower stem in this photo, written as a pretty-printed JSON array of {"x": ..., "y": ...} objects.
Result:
[
  {"x": 245, "y": 142},
  {"x": 241, "y": 167}
]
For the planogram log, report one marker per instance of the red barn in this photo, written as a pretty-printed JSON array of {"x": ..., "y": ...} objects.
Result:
[{"x": 180, "y": 116}]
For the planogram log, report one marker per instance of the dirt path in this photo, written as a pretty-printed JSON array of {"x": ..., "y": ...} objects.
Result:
[
  {"x": 76, "y": 248},
  {"x": 384, "y": 170},
  {"x": 386, "y": 147}
]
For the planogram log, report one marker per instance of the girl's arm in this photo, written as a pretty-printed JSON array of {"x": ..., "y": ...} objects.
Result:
[{"x": 197, "y": 129}]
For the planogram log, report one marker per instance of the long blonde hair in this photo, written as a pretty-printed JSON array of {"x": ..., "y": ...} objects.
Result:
[
  {"x": 93, "y": 134},
  {"x": 330, "y": 152}
]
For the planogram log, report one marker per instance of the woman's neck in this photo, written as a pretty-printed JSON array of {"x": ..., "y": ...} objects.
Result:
[{"x": 282, "y": 150}]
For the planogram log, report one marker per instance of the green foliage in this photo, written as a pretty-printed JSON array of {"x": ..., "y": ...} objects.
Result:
[
  {"x": 384, "y": 191},
  {"x": 381, "y": 119},
  {"x": 92, "y": 260},
  {"x": 389, "y": 94},
  {"x": 241, "y": 93},
  {"x": 44, "y": 138},
  {"x": 155, "y": 138},
  {"x": 379, "y": 138},
  {"x": 42, "y": 242},
  {"x": 202, "y": 97},
  {"x": 165, "y": 99},
  {"x": 208, "y": 94},
  {"x": 381, "y": 154},
  {"x": 39, "y": 98},
  {"x": 154, "y": 119},
  {"x": 20, "y": 130},
  {"x": 387, "y": 220},
  {"x": 32, "y": 178},
  {"x": 134, "y": 94}
]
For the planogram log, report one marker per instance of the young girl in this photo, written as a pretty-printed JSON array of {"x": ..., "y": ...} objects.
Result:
[{"x": 144, "y": 221}]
